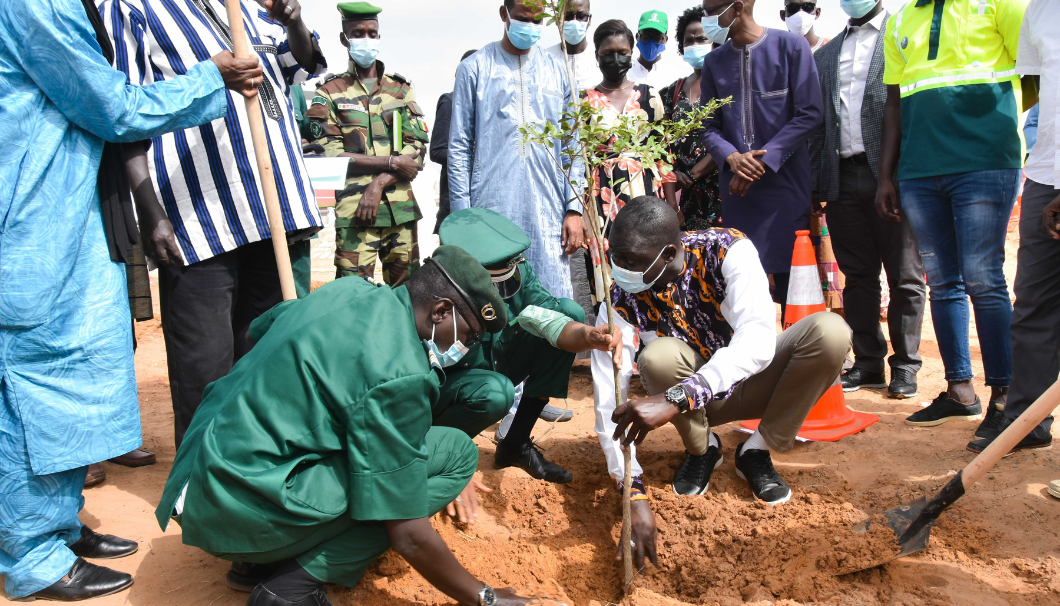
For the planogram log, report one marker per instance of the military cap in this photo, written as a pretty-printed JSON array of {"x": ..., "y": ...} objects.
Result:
[
  {"x": 474, "y": 285},
  {"x": 488, "y": 236},
  {"x": 656, "y": 20},
  {"x": 358, "y": 10}
]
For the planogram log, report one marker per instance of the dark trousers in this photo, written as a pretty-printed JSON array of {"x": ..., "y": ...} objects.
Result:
[
  {"x": 862, "y": 242},
  {"x": 1036, "y": 314},
  {"x": 207, "y": 308}
]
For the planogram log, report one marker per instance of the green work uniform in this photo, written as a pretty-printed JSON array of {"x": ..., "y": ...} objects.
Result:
[
  {"x": 479, "y": 390},
  {"x": 315, "y": 438}
]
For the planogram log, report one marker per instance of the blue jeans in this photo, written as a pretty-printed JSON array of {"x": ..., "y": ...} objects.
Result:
[{"x": 960, "y": 224}]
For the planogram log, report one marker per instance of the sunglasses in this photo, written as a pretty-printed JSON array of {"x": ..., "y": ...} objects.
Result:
[
  {"x": 806, "y": 7},
  {"x": 579, "y": 16}
]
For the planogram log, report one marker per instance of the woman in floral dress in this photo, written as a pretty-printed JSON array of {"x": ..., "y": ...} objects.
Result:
[
  {"x": 622, "y": 177},
  {"x": 695, "y": 170}
]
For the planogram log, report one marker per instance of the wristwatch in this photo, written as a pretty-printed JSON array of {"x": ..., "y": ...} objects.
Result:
[
  {"x": 677, "y": 396},
  {"x": 487, "y": 597}
]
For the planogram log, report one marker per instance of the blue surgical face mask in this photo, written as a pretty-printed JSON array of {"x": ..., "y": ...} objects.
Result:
[
  {"x": 716, "y": 33},
  {"x": 574, "y": 31},
  {"x": 650, "y": 49},
  {"x": 363, "y": 51},
  {"x": 633, "y": 281},
  {"x": 522, "y": 35},
  {"x": 857, "y": 8},
  {"x": 454, "y": 354},
  {"x": 694, "y": 55}
]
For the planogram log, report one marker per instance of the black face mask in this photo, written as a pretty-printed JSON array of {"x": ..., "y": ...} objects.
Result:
[{"x": 615, "y": 65}]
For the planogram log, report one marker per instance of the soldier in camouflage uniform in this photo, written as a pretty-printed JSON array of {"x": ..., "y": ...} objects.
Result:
[{"x": 364, "y": 112}]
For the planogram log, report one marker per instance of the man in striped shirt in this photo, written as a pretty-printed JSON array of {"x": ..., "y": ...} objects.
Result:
[{"x": 207, "y": 179}]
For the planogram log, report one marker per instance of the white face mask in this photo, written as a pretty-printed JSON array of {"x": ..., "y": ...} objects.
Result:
[
  {"x": 800, "y": 23},
  {"x": 633, "y": 281}
]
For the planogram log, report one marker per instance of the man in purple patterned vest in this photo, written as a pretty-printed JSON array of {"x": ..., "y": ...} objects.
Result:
[{"x": 711, "y": 356}]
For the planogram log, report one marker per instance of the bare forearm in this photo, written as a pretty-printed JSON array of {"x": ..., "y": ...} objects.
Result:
[
  {"x": 301, "y": 41},
  {"x": 892, "y": 132},
  {"x": 574, "y": 338},
  {"x": 368, "y": 165},
  {"x": 424, "y": 550},
  {"x": 147, "y": 204}
]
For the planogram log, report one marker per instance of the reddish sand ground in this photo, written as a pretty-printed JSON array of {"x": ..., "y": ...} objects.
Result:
[{"x": 997, "y": 545}]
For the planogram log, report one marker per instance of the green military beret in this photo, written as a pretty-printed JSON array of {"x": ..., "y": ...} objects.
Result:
[
  {"x": 358, "y": 10},
  {"x": 473, "y": 283},
  {"x": 656, "y": 20},
  {"x": 488, "y": 236}
]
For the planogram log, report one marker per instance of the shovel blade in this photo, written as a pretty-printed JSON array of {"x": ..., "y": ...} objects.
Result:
[{"x": 900, "y": 519}]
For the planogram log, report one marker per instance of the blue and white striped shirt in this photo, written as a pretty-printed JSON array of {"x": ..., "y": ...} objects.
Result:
[{"x": 207, "y": 177}]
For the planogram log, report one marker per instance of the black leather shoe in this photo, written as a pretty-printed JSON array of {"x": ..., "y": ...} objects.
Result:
[
  {"x": 245, "y": 576},
  {"x": 903, "y": 384},
  {"x": 83, "y": 582},
  {"x": 693, "y": 476},
  {"x": 856, "y": 378},
  {"x": 263, "y": 597},
  {"x": 102, "y": 546},
  {"x": 1037, "y": 439},
  {"x": 530, "y": 459}
]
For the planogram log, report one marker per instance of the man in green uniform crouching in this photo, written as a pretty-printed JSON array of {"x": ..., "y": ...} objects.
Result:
[
  {"x": 316, "y": 452},
  {"x": 537, "y": 348}
]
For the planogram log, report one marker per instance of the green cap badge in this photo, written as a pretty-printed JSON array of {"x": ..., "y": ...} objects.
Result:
[{"x": 655, "y": 20}]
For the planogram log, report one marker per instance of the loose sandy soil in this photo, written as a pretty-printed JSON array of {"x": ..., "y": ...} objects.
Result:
[{"x": 997, "y": 546}]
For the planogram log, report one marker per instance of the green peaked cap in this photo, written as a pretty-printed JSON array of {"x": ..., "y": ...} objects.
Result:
[
  {"x": 656, "y": 20},
  {"x": 487, "y": 235},
  {"x": 473, "y": 283},
  {"x": 358, "y": 10}
]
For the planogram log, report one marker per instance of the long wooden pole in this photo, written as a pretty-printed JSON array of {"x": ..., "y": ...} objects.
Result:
[{"x": 261, "y": 152}]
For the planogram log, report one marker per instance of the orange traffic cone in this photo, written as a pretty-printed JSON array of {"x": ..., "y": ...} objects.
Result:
[{"x": 830, "y": 418}]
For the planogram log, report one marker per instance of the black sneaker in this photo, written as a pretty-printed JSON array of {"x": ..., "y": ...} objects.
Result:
[
  {"x": 756, "y": 467},
  {"x": 1038, "y": 439},
  {"x": 856, "y": 378},
  {"x": 993, "y": 423},
  {"x": 903, "y": 384},
  {"x": 693, "y": 476},
  {"x": 529, "y": 459},
  {"x": 944, "y": 408}
]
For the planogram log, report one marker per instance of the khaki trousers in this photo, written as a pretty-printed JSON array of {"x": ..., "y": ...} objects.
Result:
[{"x": 808, "y": 359}]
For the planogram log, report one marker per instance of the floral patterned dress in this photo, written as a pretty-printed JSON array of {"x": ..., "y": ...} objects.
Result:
[
  {"x": 623, "y": 178},
  {"x": 701, "y": 203}
]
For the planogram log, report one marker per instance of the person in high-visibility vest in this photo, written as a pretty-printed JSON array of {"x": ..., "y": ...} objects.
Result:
[{"x": 953, "y": 106}]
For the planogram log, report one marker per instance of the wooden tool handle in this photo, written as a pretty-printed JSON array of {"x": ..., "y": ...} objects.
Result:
[
  {"x": 1019, "y": 429},
  {"x": 261, "y": 153}
]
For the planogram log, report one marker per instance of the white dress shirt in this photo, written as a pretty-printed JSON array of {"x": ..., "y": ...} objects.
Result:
[
  {"x": 583, "y": 65},
  {"x": 858, "y": 47},
  {"x": 1039, "y": 55},
  {"x": 664, "y": 73},
  {"x": 749, "y": 310}
]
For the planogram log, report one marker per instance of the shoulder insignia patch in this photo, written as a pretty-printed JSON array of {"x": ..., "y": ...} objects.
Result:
[
  {"x": 318, "y": 100},
  {"x": 400, "y": 78}
]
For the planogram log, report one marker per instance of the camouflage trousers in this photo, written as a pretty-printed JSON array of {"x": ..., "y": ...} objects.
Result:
[{"x": 358, "y": 248}]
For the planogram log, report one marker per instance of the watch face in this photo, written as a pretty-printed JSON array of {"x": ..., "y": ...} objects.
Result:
[
  {"x": 488, "y": 597},
  {"x": 675, "y": 394}
]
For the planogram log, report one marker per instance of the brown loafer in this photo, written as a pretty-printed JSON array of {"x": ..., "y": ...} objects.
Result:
[
  {"x": 136, "y": 458},
  {"x": 96, "y": 475}
]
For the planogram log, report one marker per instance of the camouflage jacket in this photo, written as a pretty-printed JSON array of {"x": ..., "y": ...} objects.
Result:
[{"x": 361, "y": 121}]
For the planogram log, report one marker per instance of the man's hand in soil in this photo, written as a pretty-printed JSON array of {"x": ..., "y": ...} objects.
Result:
[
  {"x": 641, "y": 416},
  {"x": 643, "y": 534},
  {"x": 747, "y": 165},
  {"x": 240, "y": 75},
  {"x": 1051, "y": 219},
  {"x": 575, "y": 233},
  {"x": 465, "y": 506},
  {"x": 405, "y": 167}
]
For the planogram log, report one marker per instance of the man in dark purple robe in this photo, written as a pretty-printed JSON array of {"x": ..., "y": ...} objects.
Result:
[{"x": 760, "y": 139}]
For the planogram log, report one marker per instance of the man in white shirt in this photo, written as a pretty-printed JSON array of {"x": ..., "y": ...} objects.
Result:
[
  {"x": 712, "y": 356},
  {"x": 652, "y": 67},
  {"x": 1036, "y": 315},
  {"x": 582, "y": 65},
  {"x": 845, "y": 158}
]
